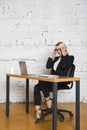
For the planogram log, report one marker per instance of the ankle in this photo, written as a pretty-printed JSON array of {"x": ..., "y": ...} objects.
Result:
[
  {"x": 49, "y": 103},
  {"x": 38, "y": 113},
  {"x": 39, "y": 116}
]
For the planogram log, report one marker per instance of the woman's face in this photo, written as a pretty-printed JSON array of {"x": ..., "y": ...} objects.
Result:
[{"x": 58, "y": 50}]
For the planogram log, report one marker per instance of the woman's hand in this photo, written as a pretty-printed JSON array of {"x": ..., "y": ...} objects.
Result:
[
  {"x": 64, "y": 51},
  {"x": 53, "y": 54}
]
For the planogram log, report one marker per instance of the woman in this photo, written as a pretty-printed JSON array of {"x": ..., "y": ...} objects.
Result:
[{"x": 59, "y": 62}]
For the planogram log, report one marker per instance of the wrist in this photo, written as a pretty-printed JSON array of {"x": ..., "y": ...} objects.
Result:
[{"x": 52, "y": 57}]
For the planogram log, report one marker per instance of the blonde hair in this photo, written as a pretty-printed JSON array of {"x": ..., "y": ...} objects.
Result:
[{"x": 62, "y": 45}]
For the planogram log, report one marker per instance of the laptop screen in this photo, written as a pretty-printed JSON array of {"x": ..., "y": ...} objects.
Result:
[{"x": 23, "y": 67}]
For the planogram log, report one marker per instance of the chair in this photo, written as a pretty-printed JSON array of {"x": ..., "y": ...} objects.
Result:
[{"x": 69, "y": 85}]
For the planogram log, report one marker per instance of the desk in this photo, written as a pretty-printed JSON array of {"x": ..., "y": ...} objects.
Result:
[{"x": 55, "y": 80}]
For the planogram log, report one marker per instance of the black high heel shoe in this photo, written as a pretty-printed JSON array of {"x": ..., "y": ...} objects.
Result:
[
  {"x": 48, "y": 111},
  {"x": 39, "y": 115}
]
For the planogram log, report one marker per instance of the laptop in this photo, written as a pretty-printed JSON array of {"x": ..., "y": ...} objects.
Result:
[{"x": 23, "y": 67}]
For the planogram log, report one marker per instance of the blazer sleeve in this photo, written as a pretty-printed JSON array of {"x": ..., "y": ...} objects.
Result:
[
  {"x": 66, "y": 61},
  {"x": 50, "y": 62}
]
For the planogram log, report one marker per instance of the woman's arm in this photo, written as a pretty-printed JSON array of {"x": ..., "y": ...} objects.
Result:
[
  {"x": 66, "y": 61},
  {"x": 50, "y": 62}
]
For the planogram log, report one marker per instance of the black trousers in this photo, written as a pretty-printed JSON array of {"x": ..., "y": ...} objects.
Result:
[{"x": 46, "y": 88}]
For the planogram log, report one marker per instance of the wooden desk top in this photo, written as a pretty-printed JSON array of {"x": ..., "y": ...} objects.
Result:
[{"x": 49, "y": 79}]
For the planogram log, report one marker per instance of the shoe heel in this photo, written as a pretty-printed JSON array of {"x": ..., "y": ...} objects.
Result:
[{"x": 41, "y": 119}]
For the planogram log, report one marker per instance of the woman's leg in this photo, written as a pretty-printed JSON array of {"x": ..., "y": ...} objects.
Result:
[
  {"x": 46, "y": 89},
  {"x": 37, "y": 102},
  {"x": 37, "y": 95}
]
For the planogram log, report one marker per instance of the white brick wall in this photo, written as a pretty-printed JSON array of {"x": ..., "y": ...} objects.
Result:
[{"x": 29, "y": 30}]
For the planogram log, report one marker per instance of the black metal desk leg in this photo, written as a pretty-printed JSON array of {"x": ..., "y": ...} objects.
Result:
[
  {"x": 77, "y": 105},
  {"x": 7, "y": 95},
  {"x": 54, "y": 106},
  {"x": 27, "y": 95}
]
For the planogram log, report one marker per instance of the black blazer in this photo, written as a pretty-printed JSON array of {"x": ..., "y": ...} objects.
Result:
[{"x": 63, "y": 66}]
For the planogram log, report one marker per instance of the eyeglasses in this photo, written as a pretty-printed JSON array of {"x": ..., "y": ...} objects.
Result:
[{"x": 59, "y": 49}]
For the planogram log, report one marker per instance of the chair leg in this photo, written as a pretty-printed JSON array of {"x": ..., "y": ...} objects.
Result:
[
  {"x": 61, "y": 116},
  {"x": 67, "y": 111},
  {"x": 59, "y": 112},
  {"x": 47, "y": 111}
]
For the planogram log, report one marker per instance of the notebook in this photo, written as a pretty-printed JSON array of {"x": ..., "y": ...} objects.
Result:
[
  {"x": 23, "y": 68},
  {"x": 49, "y": 75}
]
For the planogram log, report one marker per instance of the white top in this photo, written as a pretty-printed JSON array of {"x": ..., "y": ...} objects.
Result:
[{"x": 56, "y": 64}]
